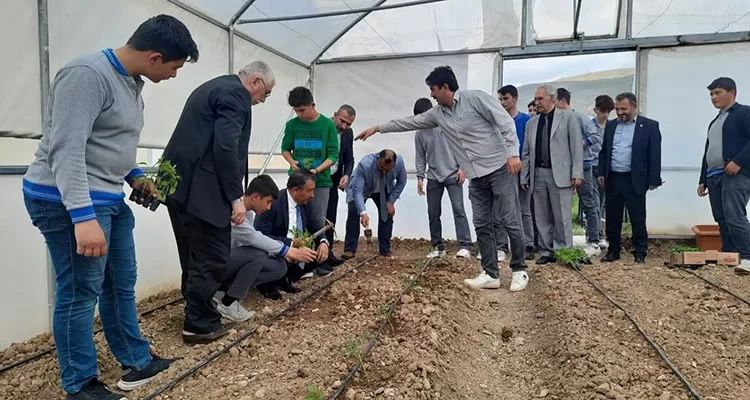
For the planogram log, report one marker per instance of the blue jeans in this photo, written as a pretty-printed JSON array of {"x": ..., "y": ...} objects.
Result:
[{"x": 81, "y": 281}]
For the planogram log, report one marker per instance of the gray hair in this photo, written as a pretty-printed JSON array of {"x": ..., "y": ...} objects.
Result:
[
  {"x": 349, "y": 110},
  {"x": 258, "y": 69},
  {"x": 551, "y": 90}
]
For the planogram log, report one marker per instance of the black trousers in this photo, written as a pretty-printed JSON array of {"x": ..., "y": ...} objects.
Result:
[
  {"x": 620, "y": 193},
  {"x": 250, "y": 267},
  {"x": 332, "y": 212},
  {"x": 204, "y": 252}
]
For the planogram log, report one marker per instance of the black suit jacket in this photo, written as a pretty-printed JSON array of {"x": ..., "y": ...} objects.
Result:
[
  {"x": 346, "y": 157},
  {"x": 209, "y": 148},
  {"x": 274, "y": 223},
  {"x": 645, "y": 164}
]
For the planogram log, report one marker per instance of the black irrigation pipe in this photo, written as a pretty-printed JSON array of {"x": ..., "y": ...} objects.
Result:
[
  {"x": 353, "y": 371},
  {"x": 710, "y": 282},
  {"x": 41, "y": 354},
  {"x": 172, "y": 383},
  {"x": 643, "y": 333}
]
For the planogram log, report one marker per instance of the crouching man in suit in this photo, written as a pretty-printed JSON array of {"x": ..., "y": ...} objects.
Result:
[
  {"x": 289, "y": 213},
  {"x": 380, "y": 177},
  {"x": 256, "y": 259}
]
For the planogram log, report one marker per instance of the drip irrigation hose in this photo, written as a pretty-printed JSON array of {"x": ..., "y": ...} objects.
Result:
[
  {"x": 643, "y": 333},
  {"x": 40, "y": 354},
  {"x": 710, "y": 282},
  {"x": 353, "y": 371},
  {"x": 172, "y": 383}
]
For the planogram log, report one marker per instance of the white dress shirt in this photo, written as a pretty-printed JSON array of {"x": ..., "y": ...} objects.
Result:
[{"x": 292, "y": 215}]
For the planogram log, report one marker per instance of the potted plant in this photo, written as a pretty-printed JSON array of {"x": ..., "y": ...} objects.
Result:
[{"x": 165, "y": 181}]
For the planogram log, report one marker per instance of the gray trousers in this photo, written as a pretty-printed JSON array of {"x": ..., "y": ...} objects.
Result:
[
  {"x": 524, "y": 200},
  {"x": 589, "y": 198},
  {"x": 499, "y": 187},
  {"x": 729, "y": 195},
  {"x": 552, "y": 209},
  {"x": 434, "y": 210},
  {"x": 249, "y": 267},
  {"x": 318, "y": 207}
]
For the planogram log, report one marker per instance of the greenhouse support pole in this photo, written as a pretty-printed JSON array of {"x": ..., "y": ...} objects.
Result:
[
  {"x": 231, "y": 32},
  {"x": 337, "y": 13},
  {"x": 524, "y": 22},
  {"x": 344, "y": 32},
  {"x": 44, "y": 87},
  {"x": 629, "y": 20}
]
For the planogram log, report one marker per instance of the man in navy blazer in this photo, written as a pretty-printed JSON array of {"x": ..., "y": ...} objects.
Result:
[
  {"x": 629, "y": 166},
  {"x": 380, "y": 177},
  {"x": 288, "y": 212}
]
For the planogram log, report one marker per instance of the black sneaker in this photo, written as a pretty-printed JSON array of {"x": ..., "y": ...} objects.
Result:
[
  {"x": 323, "y": 270},
  {"x": 133, "y": 379},
  {"x": 95, "y": 390}
]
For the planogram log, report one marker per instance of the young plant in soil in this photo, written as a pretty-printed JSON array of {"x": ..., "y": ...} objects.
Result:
[
  {"x": 572, "y": 257},
  {"x": 383, "y": 310},
  {"x": 165, "y": 181},
  {"x": 684, "y": 249},
  {"x": 302, "y": 239},
  {"x": 313, "y": 393},
  {"x": 354, "y": 348}
]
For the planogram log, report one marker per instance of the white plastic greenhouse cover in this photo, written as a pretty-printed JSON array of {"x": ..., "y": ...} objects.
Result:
[{"x": 463, "y": 24}]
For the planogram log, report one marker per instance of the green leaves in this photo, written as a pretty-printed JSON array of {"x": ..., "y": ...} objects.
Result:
[{"x": 684, "y": 249}]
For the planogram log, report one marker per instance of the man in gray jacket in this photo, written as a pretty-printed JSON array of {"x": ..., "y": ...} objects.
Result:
[
  {"x": 256, "y": 259},
  {"x": 442, "y": 173}
]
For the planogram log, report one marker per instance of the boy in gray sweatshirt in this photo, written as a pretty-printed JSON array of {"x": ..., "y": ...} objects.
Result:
[{"x": 73, "y": 192}]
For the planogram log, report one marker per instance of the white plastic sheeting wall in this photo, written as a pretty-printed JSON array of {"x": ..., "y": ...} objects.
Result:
[{"x": 673, "y": 91}]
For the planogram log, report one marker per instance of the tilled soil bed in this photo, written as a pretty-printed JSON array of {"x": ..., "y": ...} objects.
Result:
[{"x": 558, "y": 339}]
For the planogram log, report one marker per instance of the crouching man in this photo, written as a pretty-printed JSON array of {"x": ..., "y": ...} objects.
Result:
[
  {"x": 256, "y": 259},
  {"x": 288, "y": 214}
]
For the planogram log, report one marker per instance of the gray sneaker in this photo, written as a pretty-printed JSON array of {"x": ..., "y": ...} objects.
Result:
[
  {"x": 217, "y": 297},
  {"x": 743, "y": 268},
  {"x": 234, "y": 312}
]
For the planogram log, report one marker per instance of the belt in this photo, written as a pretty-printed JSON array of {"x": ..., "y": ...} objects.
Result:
[
  {"x": 615, "y": 173},
  {"x": 543, "y": 165}
]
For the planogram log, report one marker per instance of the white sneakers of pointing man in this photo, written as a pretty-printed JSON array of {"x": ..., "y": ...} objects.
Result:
[{"x": 518, "y": 281}]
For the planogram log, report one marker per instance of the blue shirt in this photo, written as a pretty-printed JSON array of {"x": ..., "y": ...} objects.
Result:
[
  {"x": 622, "y": 146},
  {"x": 521, "y": 119}
]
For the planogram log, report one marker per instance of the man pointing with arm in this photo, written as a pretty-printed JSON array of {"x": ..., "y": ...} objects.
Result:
[{"x": 482, "y": 137}]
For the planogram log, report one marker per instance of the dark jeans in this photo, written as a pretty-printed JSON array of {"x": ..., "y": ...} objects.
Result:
[
  {"x": 589, "y": 198},
  {"x": 455, "y": 191},
  {"x": 599, "y": 192},
  {"x": 485, "y": 193},
  {"x": 729, "y": 195},
  {"x": 204, "y": 254},
  {"x": 81, "y": 281},
  {"x": 385, "y": 228},
  {"x": 250, "y": 267},
  {"x": 621, "y": 194}
]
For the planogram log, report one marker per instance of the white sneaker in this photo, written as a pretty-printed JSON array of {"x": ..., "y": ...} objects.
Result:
[
  {"x": 603, "y": 244},
  {"x": 743, "y": 268},
  {"x": 592, "y": 250},
  {"x": 234, "y": 312},
  {"x": 436, "y": 254},
  {"x": 308, "y": 275},
  {"x": 463, "y": 253},
  {"x": 483, "y": 281},
  {"x": 518, "y": 281},
  {"x": 500, "y": 256},
  {"x": 217, "y": 297}
]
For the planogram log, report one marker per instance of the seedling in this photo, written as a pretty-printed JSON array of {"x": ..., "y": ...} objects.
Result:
[
  {"x": 307, "y": 163},
  {"x": 302, "y": 239},
  {"x": 354, "y": 348},
  {"x": 383, "y": 311},
  {"x": 165, "y": 181},
  {"x": 313, "y": 393},
  {"x": 684, "y": 249},
  {"x": 572, "y": 257}
]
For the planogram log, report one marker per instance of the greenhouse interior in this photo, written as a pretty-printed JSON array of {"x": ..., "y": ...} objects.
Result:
[{"x": 563, "y": 337}]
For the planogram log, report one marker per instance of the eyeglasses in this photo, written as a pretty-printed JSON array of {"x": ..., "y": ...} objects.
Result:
[{"x": 265, "y": 88}]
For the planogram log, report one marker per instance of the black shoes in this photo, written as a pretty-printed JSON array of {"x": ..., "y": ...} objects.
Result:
[
  {"x": 610, "y": 257},
  {"x": 324, "y": 270},
  {"x": 203, "y": 338},
  {"x": 333, "y": 261},
  {"x": 639, "y": 259},
  {"x": 529, "y": 253},
  {"x": 95, "y": 390},
  {"x": 545, "y": 260},
  {"x": 133, "y": 379}
]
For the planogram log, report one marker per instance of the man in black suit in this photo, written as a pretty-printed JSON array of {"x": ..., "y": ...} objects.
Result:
[
  {"x": 288, "y": 213},
  {"x": 342, "y": 169},
  {"x": 629, "y": 166},
  {"x": 209, "y": 148}
]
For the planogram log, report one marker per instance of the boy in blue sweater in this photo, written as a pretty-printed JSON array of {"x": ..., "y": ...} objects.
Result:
[{"x": 73, "y": 194}]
